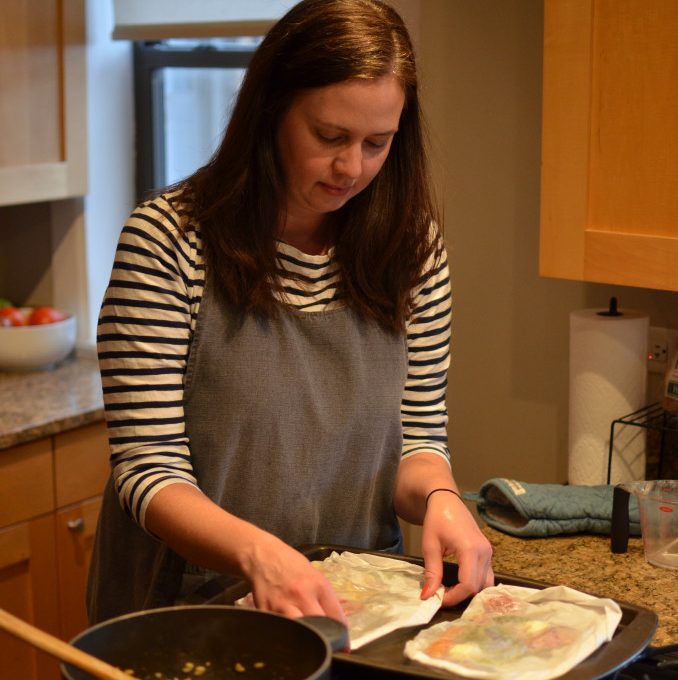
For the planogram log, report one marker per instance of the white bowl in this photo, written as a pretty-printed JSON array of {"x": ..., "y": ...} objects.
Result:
[{"x": 29, "y": 348}]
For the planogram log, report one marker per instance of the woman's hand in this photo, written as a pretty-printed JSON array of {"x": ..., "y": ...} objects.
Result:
[
  {"x": 450, "y": 529},
  {"x": 284, "y": 581},
  {"x": 448, "y": 526}
]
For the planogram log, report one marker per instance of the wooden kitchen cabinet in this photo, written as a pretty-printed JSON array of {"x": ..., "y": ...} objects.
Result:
[
  {"x": 610, "y": 142},
  {"x": 43, "y": 103},
  {"x": 80, "y": 471},
  {"x": 50, "y": 496},
  {"x": 26, "y": 482},
  {"x": 28, "y": 589},
  {"x": 75, "y": 529}
]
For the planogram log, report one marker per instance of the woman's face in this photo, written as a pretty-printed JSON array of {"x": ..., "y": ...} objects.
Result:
[{"x": 332, "y": 142}]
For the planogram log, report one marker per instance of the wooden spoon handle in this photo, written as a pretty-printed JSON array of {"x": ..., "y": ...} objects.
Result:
[{"x": 58, "y": 648}]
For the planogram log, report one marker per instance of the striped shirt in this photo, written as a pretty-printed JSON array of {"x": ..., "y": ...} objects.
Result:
[{"x": 147, "y": 320}]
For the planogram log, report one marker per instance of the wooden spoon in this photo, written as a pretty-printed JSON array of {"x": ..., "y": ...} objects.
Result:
[{"x": 59, "y": 649}]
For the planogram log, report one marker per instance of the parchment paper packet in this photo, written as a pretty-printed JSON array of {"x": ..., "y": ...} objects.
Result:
[
  {"x": 511, "y": 632},
  {"x": 378, "y": 594}
]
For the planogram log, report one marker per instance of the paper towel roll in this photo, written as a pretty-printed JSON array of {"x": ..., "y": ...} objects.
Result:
[{"x": 608, "y": 378}]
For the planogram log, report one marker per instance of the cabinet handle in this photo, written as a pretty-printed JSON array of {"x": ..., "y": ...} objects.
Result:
[{"x": 76, "y": 524}]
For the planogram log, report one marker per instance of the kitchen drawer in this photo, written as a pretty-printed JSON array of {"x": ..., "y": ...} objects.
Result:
[
  {"x": 81, "y": 463},
  {"x": 26, "y": 481}
]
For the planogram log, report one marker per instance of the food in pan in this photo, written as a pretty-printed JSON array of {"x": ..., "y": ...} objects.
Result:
[{"x": 190, "y": 670}]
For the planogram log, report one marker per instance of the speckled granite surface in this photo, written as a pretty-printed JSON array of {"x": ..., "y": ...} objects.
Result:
[
  {"x": 585, "y": 562},
  {"x": 41, "y": 403}
]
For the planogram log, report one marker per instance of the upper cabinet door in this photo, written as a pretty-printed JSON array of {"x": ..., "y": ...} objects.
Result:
[
  {"x": 42, "y": 100},
  {"x": 609, "y": 182}
]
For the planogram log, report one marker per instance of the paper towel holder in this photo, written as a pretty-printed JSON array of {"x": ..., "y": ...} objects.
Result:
[{"x": 612, "y": 309}]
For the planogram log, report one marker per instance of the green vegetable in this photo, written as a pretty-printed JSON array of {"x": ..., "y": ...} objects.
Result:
[{"x": 4, "y": 302}]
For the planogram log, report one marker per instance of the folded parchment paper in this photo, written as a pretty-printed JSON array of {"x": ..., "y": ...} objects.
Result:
[
  {"x": 512, "y": 633},
  {"x": 378, "y": 594}
]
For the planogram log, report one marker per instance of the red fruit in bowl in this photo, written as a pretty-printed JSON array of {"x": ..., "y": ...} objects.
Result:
[
  {"x": 45, "y": 314},
  {"x": 12, "y": 316}
]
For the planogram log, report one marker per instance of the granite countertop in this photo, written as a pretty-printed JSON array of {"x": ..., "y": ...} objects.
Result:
[
  {"x": 38, "y": 404},
  {"x": 584, "y": 562}
]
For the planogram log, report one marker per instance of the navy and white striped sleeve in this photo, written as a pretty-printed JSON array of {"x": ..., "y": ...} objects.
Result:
[
  {"x": 423, "y": 408},
  {"x": 145, "y": 325}
]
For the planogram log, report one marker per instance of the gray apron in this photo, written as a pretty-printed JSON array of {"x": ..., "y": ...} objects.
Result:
[{"x": 293, "y": 424}]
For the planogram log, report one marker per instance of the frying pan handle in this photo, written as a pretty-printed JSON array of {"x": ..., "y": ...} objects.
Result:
[
  {"x": 332, "y": 630},
  {"x": 619, "y": 533}
]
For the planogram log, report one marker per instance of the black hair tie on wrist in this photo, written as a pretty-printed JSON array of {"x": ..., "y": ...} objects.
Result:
[{"x": 430, "y": 493}]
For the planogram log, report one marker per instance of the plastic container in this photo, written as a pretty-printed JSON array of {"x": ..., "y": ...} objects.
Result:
[{"x": 658, "y": 504}]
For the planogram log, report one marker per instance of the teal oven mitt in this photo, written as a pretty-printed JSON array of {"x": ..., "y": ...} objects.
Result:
[{"x": 524, "y": 509}]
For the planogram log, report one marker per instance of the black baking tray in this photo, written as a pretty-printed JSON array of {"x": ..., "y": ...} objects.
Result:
[{"x": 384, "y": 657}]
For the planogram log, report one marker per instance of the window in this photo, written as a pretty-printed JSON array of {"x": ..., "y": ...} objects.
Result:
[{"x": 184, "y": 89}]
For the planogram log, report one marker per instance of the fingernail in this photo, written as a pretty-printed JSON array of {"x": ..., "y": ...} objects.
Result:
[{"x": 425, "y": 591}]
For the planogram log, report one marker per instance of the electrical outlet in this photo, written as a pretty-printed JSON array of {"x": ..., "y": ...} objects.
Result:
[
  {"x": 657, "y": 349},
  {"x": 662, "y": 346},
  {"x": 672, "y": 335}
]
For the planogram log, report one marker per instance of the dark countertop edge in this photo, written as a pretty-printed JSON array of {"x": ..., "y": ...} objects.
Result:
[{"x": 50, "y": 428}]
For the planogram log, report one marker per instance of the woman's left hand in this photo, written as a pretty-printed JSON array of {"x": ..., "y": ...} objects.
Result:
[{"x": 449, "y": 529}]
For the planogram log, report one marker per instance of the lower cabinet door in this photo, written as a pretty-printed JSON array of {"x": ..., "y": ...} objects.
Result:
[
  {"x": 28, "y": 589},
  {"x": 75, "y": 528}
]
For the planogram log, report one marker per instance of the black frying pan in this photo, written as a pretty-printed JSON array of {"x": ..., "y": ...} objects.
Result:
[{"x": 213, "y": 642}]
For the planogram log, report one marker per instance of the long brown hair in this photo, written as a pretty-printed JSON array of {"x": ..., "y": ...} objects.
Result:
[{"x": 384, "y": 235}]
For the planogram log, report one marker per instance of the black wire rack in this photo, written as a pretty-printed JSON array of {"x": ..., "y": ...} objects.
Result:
[{"x": 651, "y": 417}]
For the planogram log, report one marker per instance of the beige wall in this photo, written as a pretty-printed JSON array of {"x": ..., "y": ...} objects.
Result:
[{"x": 508, "y": 383}]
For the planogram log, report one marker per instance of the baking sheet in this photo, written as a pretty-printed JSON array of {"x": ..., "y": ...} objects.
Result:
[{"x": 385, "y": 655}]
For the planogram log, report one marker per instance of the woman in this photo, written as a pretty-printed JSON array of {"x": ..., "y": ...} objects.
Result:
[{"x": 274, "y": 339}]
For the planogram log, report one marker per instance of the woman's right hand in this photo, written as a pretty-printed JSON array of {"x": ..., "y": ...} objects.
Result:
[{"x": 284, "y": 581}]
